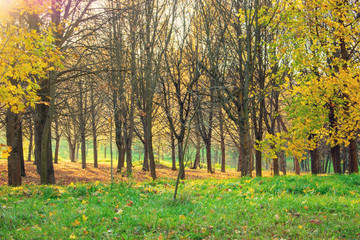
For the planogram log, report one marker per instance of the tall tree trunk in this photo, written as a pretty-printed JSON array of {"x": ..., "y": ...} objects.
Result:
[
  {"x": 197, "y": 152},
  {"x": 208, "y": 156},
  {"x": 240, "y": 160},
  {"x": 82, "y": 124},
  {"x": 314, "y": 154},
  {"x": 173, "y": 157},
  {"x": 57, "y": 140},
  {"x": 276, "y": 166},
  {"x": 129, "y": 156},
  {"x": 335, "y": 157},
  {"x": 353, "y": 164},
  {"x": 93, "y": 124},
  {"x": 129, "y": 136},
  {"x": 30, "y": 142},
  {"x": 181, "y": 156},
  {"x": 222, "y": 140},
  {"x": 119, "y": 142},
  {"x": 57, "y": 147},
  {"x": 335, "y": 150},
  {"x": 245, "y": 148},
  {"x": 12, "y": 140},
  {"x": 150, "y": 148},
  {"x": 21, "y": 151},
  {"x": 95, "y": 148},
  {"x": 282, "y": 162},
  {"x": 145, "y": 166},
  {"x": 297, "y": 166}
]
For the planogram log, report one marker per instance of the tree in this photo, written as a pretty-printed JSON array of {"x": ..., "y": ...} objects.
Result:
[{"x": 26, "y": 56}]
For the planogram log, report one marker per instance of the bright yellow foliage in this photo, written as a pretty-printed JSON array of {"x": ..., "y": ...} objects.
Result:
[
  {"x": 25, "y": 54},
  {"x": 321, "y": 40}
]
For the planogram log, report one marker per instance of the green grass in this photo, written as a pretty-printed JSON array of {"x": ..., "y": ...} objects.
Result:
[{"x": 288, "y": 207}]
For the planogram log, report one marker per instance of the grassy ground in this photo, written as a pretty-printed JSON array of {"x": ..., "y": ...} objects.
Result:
[{"x": 287, "y": 207}]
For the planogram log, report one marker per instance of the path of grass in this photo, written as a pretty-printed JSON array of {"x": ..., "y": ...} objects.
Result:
[{"x": 262, "y": 208}]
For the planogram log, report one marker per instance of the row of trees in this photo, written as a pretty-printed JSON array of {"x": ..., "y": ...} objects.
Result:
[{"x": 273, "y": 78}]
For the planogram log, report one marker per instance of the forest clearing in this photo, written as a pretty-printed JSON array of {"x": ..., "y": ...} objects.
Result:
[{"x": 179, "y": 119}]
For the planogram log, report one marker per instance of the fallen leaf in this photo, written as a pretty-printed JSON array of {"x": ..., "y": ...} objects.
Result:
[
  {"x": 76, "y": 223},
  {"x": 316, "y": 221}
]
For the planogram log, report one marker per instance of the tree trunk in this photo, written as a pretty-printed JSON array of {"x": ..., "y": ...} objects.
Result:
[
  {"x": 335, "y": 157},
  {"x": 72, "y": 149},
  {"x": 128, "y": 157},
  {"x": 258, "y": 158},
  {"x": 12, "y": 139},
  {"x": 197, "y": 152},
  {"x": 282, "y": 162},
  {"x": 222, "y": 140},
  {"x": 95, "y": 149},
  {"x": 30, "y": 141},
  {"x": 21, "y": 151},
  {"x": 240, "y": 161},
  {"x": 297, "y": 166},
  {"x": 181, "y": 159},
  {"x": 145, "y": 166},
  {"x": 276, "y": 166},
  {"x": 223, "y": 156},
  {"x": 57, "y": 141},
  {"x": 57, "y": 147},
  {"x": 208, "y": 156},
  {"x": 353, "y": 164},
  {"x": 43, "y": 151},
  {"x": 314, "y": 155},
  {"x": 173, "y": 157},
  {"x": 93, "y": 124},
  {"x": 245, "y": 146}
]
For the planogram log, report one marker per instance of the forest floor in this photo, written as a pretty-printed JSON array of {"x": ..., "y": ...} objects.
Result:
[
  {"x": 285, "y": 207},
  {"x": 67, "y": 172}
]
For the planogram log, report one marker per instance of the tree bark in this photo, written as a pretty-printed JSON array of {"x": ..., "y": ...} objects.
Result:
[
  {"x": 30, "y": 142},
  {"x": 197, "y": 152},
  {"x": 282, "y": 162},
  {"x": 222, "y": 140},
  {"x": 353, "y": 164},
  {"x": 208, "y": 156},
  {"x": 276, "y": 166},
  {"x": 297, "y": 166},
  {"x": 173, "y": 157},
  {"x": 93, "y": 124},
  {"x": 21, "y": 151},
  {"x": 181, "y": 159},
  {"x": 145, "y": 166},
  {"x": 314, "y": 154},
  {"x": 12, "y": 140}
]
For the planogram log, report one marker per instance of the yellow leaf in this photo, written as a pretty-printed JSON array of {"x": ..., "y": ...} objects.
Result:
[
  {"x": 76, "y": 223},
  {"x": 84, "y": 218},
  {"x": 72, "y": 236},
  {"x": 182, "y": 217},
  {"x": 300, "y": 226}
]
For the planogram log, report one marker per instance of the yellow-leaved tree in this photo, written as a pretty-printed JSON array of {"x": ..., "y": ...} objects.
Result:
[
  {"x": 322, "y": 39},
  {"x": 25, "y": 56}
]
